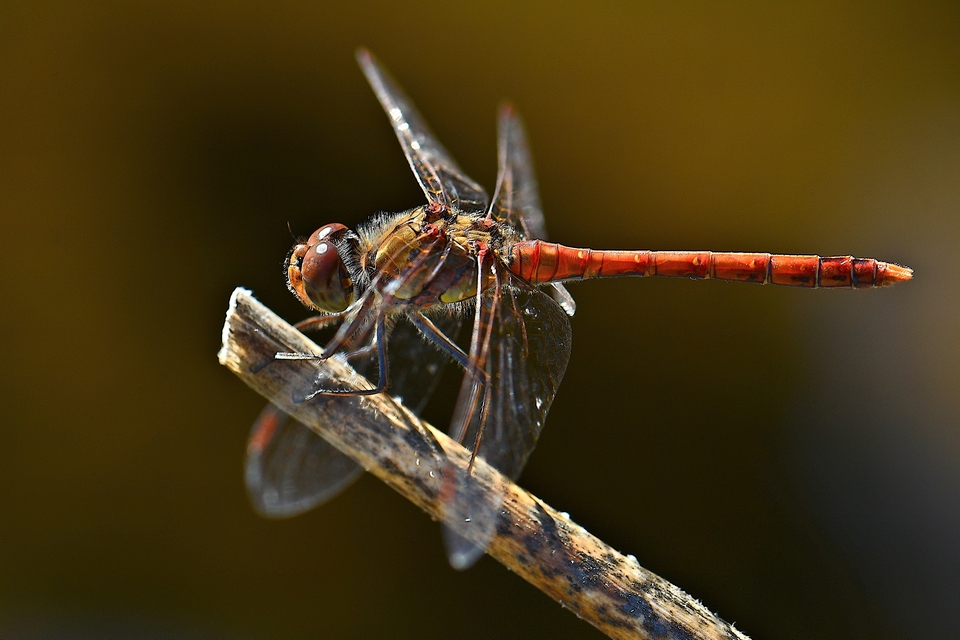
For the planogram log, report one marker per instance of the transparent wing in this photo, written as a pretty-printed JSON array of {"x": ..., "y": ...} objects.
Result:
[
  {"x": 441, "y": 179},
  {"x": 521, "y": 341},
  {"x": 516, "y": 200},
  {"x": 527, "y": 357},
  {"x": 416, "y": 364},
  {"x": 290, "y": 469}
]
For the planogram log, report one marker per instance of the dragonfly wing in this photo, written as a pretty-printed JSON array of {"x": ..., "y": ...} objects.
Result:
[
  {"x": 441, "y": 179},
  {"x": 516, "y": 200},
  {"x": 522, "y": 345},
  {"x": 528, "y": 355},
  {"x": 290, "y": 469},
  {"x": 563, "y": 298},
  {"x": 415, "y": 364}
]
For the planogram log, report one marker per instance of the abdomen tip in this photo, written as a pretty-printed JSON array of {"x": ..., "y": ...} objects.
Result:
[{"x": 894, "y": 273}]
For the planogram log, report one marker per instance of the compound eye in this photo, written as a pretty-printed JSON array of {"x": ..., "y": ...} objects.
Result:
[
  {"x": 330, "y": 232},
  {"x": 326, "y": 281}
]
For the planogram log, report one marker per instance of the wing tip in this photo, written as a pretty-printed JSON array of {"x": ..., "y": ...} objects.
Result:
[
  {"x": 364, "y": 57},
  {"x": 461, "y": 553}
]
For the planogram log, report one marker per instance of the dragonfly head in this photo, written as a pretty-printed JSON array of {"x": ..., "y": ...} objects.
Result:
[{"x": 316, "y": 272}]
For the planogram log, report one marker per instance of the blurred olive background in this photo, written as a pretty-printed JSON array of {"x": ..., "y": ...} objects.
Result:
[{"x": 789, "y": 457}]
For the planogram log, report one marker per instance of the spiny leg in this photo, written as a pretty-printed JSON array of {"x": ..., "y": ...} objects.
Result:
[
  {"x": 315, "y": 323},
  {"x": 426, "y": 326},
  {"x": 380, "y": 342},
  {"x": 347, "y": 331}
]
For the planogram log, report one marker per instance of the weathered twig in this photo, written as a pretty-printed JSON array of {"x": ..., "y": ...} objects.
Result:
[{"x": 609, "y": 590}]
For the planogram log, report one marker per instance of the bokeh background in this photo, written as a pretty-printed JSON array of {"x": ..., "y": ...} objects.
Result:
[{"x": 789, "y": 457}]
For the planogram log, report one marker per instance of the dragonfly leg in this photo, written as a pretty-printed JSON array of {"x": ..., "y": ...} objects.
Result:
[
  {"x": 431, "y": 332},
  {"x": 346, "y": 331},
  {"x": 361, "y": 352},
  {"x": 316, "y": 323},
  {"x": 310, "y": 324},
  {"x": 350, "y": 355},
  {"x": 382, "y": 363}
]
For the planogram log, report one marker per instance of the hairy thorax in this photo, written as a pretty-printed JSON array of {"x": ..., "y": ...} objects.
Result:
[{"x": 429, "y": 259}]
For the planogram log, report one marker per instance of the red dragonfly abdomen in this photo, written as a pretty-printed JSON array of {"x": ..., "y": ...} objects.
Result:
[{"x": 540, "y": 262}]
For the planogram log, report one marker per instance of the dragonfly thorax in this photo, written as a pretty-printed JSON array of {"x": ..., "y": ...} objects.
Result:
[
  {"x": 317, "y": 272},
  {"x": 423, "y": 259}
]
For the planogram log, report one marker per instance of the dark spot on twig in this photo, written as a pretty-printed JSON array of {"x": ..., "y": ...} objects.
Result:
[
  {"x": 523, "y": 559},
  {"x": 532, "y": 543},
  {"x": 428, "y": 490},
  {"x": 588, "y": 571},
  {"x": 639, "y": 607},
  {"x": 548, "y": 534},
  {"x": 422, "y": 444},
  {"x": 611, "y": 619},
  {"x": 550, "y": 570},
  {"x": 391, "y": 467},
  {"x": 504, "y": 528}
]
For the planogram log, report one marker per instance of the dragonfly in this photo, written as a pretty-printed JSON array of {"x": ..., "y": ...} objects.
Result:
[{"x": 398, "y": 289}]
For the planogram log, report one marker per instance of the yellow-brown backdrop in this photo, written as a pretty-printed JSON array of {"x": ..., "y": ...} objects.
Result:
[{"x": 788, "y": 456}]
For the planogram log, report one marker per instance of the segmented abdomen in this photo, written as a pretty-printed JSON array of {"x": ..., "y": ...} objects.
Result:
[{"x": 540, "y": 262}]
